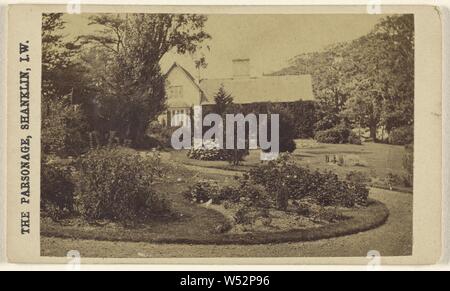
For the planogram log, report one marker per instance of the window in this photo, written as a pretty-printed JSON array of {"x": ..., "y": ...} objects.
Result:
[
  {"x": 180, "y": 117},
  {"x": 175, "y": 92}
]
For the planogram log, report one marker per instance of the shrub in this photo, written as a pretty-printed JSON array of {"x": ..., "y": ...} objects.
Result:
[
  {"x": 402, "y": 136},
  {"x": 248, "y": 216},
  {"x": 392, "y": 180},
  {"x": 246, "y": 193},
  {"x": 202, "y": 192},
  {"x": 159, "y": 136},
  {"x": 64, "y": 130},
  {"x": 304, "y": 126},
  {"x": 245, "y": 216},
  {"x": 253, "y": 195},
  {"x": 204, "y": 154},
  {"x": 229, "y": 194},
  {"x": 57, "y": 191},
  {"x": 147, "y": 143},
  {"x": 287, "y": 129},
  {"x": 116, "y": 185},
  {"x": 330, "y": 190},
  {"x": 283, "y": 177},
  {"x": 354, "y": 139},
  {"x": 360, "y": 193},
  {"x": 336, "y": 135},
  {"x": 211, "y": 152}
]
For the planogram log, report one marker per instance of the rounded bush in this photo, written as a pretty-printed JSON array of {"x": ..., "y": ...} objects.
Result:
[
  {"x": 354, "y": 139},
  {"x": 338, "y": 135},
  {"x": 116, "y": 185},
  {"x": 283, "y": 177},
  {"x": 57, "y": 191},
  {"x": 212, "y": 152}
]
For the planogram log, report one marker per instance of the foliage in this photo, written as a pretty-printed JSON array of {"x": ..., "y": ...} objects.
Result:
[
  {"x": 368, "y": 82},
  {"x": 282, "y": 174},
  {"x": 64, "y": 126},
  {"x": 245, "y": 192},
  {"x": 253, "y": 195},
  {"x": 245, "y": 216},
  {"x": 123, "y": 63},
  {"x": 116, "y": 185},
  {"x": 223, "y": 101},
  {"x": 212, "y": 152},
  {"x": 301, "y": 127},
  {"x": 207, "y": 154},
  {"x": 402, "y": 136},
  {"x": 287, "y": 133},
  {"x": 60, "y": 72},
  {"x": 284, "y": 177},
  {"x": 304, "y": 126},
  {"x": 64, "y": 130},
  {"x": 57, "y": 191},
  {"x": 159, "y": 136},
  {"x": 391, "y": 180},
  {"x": 338, "y": 135},
  {"x": 202, "y": 192},
  {"x": 354, "y": 139}
]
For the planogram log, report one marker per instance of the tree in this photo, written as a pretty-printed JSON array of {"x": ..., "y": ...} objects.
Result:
[
  {"x": 382, "y": 78},
  {"x": 63, "y": 125},
  {"x": 287, "y": 129},
  {"x": 223, "y": 101},
  {"x": 130, "y": 84},
  {"x": 368, "y": 82},
  {"x": 326, "y": 68},
  {"x": 64, "y": 130},
  {"x": 56, "y": 58}
]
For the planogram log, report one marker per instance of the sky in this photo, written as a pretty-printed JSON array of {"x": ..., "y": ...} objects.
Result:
[{"x": 269, "y": 41}]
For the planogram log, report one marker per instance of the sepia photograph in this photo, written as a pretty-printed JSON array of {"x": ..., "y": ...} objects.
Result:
[{"x": 168, "y": 135}]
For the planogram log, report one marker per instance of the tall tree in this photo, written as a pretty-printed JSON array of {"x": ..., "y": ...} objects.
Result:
[
  {"x": 63, "y": 125},
  {"x": 58, "y": 66},
  {"x": 369, "y": 81},
  {"x": 131, "y": 85},
  {"x": 382, "y": 81},
  {"x": 223, "y": 101},
  {"x": 330, "y": 89}
]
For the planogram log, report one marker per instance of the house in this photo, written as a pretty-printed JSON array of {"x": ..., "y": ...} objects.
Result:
[{"x": 184, "y": 91}]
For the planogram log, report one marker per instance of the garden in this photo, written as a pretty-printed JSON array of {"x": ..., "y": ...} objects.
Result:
[
  {"x": 147, "y": 197},
  {"x": 108, "y": 172}
]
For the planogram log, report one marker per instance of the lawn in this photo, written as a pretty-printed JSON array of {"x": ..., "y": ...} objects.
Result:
[
  {"x": 394, "y": 238},
  {"x": 375, "y": 160}
]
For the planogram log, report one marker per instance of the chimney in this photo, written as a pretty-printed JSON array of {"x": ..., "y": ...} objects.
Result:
[{"x": 241, "y": 68}]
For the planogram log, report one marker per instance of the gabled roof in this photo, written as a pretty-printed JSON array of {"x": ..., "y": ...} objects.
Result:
[
  {"x": 276, "y": 89},
  {"x": 176, "y": 65},
  {"x": 190, "y": 77}
]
